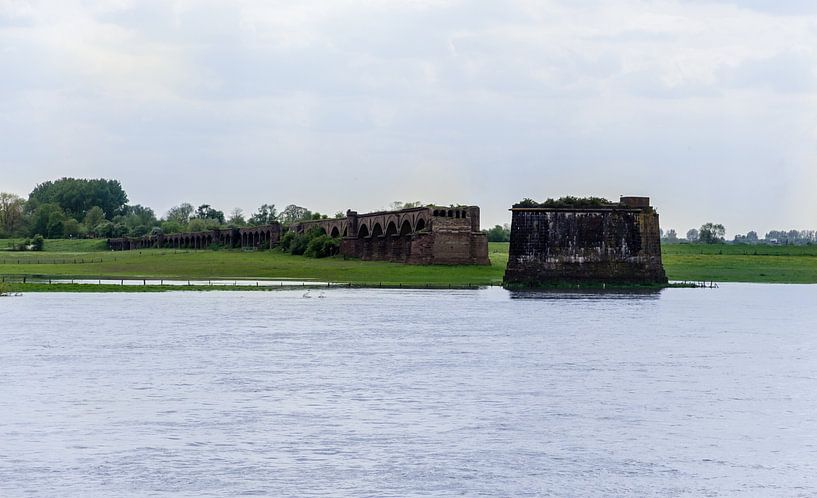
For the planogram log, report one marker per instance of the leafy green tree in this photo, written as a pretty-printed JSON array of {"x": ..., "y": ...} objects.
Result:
[
  {"x": 94, "y": 217},
  {"x": 499, "y": 234},
  {"x": 180, "y": 214},
  {"x": 196, "y": 225},
  {"x": 76, "y": 196},
  {"x": 266, "y": 215},
  {"x": 172, "y": 226},
  {"x": 293, "y": 214},
  {"x": 71, "y": 228},
  {"x": 671, "y": 236},
  {"x": 692, "y": 235},
  {"x": 48, "y": 220},
  {"x": 138, "y": 215},
  {"x": 205, "y": 212},
  {"x": 138, "y": 231},
  {"x": 236, "y": 218},
  {"x": 104, "y": 229},
  {"x": 711, "y": 233},
  {"x": 12, "y": 212}
]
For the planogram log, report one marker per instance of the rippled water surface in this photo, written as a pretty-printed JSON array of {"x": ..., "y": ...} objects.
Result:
[{"x": 400, "y": 393}]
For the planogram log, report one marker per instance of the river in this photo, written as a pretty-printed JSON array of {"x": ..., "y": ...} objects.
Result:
[{"x": 410, "y": 392}]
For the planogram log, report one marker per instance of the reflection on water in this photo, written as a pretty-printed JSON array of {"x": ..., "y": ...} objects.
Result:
[
  {"x": 587, "y": 294},
  {"x": 394, "y": 393}
]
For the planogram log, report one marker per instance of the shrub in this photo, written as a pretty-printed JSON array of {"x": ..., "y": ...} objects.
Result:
[
  {"x": 286, "y": 241},
  {"x": 567, "y": 202},
  {"x": 299, "y": 244},
  {"x": 37, "y": 243},
  {"x": 322, "y": 246}
]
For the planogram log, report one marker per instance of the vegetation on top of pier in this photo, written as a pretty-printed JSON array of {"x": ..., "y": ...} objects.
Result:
[{"x": 567, "y": 202}]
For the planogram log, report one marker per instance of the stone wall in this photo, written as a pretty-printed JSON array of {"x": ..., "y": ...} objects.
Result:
[{"x": 619, "y": 243}]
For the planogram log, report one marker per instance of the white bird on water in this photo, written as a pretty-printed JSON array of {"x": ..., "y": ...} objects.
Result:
[
  {"x": 306, "y": 294},
  {"x": 321, "y": 295}
]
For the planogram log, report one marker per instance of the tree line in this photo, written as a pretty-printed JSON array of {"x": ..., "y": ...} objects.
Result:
[
  {"x": 98, "y": 208},
  {"x": 713, "y": 233}
]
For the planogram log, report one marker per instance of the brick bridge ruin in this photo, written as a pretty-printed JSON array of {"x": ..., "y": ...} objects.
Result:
[
  {"x": 260, "y": 236},
  {"x": 423, "y": 235}
]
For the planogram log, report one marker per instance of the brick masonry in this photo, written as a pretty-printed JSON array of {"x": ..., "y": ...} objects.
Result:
[{"x": 618, "y": 243}]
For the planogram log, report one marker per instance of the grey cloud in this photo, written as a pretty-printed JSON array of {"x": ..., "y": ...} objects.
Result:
[{"x": 784, "y": 73}]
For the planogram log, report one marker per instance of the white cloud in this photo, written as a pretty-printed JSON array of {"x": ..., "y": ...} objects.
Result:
[{"x": 705, "y": 105}]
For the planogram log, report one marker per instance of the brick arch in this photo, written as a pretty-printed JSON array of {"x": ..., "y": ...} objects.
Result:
[
  {"x": 363, "y": 230},
  {"x": 391, "y": 228},
  {"x": 377, "y": 229},
  {"x": 335, "y": 233},
  {"x": 420, "y": 224},
  {"x": 405, "y": 227}
]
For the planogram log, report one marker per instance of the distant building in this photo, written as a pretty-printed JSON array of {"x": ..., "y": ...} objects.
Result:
[{"x": 580, "y": 243}]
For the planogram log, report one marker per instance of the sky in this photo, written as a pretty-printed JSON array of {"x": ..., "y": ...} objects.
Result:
[{"x": 709, "y": 107}]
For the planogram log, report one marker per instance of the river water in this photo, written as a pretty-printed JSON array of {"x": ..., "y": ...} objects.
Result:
[{"x": 404, "y": 393}]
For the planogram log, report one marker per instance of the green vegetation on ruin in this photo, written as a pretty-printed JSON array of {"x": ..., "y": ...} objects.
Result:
[
  {"x": 683, "y": 262},
  {"x": 567, "y": 202}
]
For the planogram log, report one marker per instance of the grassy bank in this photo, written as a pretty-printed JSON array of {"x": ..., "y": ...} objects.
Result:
[{"x": 84, "y": 258}]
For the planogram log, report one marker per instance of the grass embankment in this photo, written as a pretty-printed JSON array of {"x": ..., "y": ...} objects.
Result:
[
  {"x": 739, "y": 263},
  {"x": 686, "y": 262},
  {"x": 232, "y": 264}
]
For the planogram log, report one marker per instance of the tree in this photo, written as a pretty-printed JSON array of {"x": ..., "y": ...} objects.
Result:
[
  {"x": 236, "y": 218},
  {"x": 266, "y": 215},
  {"x": 692, "y": 235},
  {"x": 11, "y": 213},
  {"x": 711, "y": 233},
  {"x": 75, "y": 196},
  {"x": 94, "y": 217},
  {"x": 48, "y": 220},
  {"x": 72, "y": 229},
  {"x": 205, "y": 212},
  {"x": 292, "y": 214},
  {"x": 180, "y": 214},
  {"x": 138, "y": 215},
  {"x": 671, "y": 236},
  {"x": 751, "y": 237},
  {"x": 499, "y": 233},
  {"x": 172, "y": 226},
  {"x": 104, "y": 229}
]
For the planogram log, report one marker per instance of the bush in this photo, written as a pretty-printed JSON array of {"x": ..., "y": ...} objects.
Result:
[
  {"x": 314, "y": 244},
  {"x": 567, "y": 202},
  {"x": 322, "y": 246},
  {"x": 299, "y": 244},
  {"x": 37, "y": 243},
  {"x": 286, "y": 241}
]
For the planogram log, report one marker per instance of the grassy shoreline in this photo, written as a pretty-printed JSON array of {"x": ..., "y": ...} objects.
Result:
[{"x": 88, "y": 259}]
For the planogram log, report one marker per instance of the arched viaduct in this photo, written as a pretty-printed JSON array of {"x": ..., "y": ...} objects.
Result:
[
  {"x": 423, "y": 235},
  {"x": 249, "y": 237}
]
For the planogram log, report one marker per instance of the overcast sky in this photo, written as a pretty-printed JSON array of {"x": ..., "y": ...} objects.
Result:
[{"x": 708, "y": 107}]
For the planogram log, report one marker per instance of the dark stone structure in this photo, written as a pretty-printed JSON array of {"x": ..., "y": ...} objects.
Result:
[
  {"x": 423, "y": 235},
  {"x": 249, "y": 237},
  {"x": 611, "y": 243}
]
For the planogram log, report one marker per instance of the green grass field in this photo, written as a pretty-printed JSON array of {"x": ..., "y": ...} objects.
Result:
[{"x": 90, "y": 258}]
